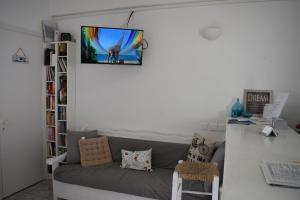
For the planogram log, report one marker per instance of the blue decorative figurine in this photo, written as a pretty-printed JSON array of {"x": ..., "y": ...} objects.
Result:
[{"x": 237, "y": 109}]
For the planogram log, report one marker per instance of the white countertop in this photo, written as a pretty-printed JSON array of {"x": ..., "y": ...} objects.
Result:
[{"x": 245, "y": 149}]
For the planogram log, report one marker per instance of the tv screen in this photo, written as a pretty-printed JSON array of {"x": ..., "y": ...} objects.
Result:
[{"x": 111, "y": 45}]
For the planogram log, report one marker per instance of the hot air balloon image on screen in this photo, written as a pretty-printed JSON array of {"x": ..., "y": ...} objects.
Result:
[{"x": 111, "y": 45}]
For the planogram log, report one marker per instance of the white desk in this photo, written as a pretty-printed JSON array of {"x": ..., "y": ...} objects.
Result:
[{"x": 245, "y": 149}]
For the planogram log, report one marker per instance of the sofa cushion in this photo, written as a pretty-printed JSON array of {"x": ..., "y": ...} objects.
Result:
[
  {"x": 201, "y": 149},
  {"x": 139, "y": 160},
  {"x": 164, "y": 155},
  {"x": 156, "y": 185},
  {"x": 218, "y": 159},
  {"x": 73, "y": 137},
  {"x": 94, "y": 151}
]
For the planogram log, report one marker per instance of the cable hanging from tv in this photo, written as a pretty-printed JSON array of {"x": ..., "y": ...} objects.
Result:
[{"x": 145, "y": 42}]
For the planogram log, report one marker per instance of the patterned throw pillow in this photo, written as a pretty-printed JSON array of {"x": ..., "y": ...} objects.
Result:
[
  {"x": 139, "y": 160},
  {"x": 94, "y": 151},
  {"x": 201, "y": 149}
]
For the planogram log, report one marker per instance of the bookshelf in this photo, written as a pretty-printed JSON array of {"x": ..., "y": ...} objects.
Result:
[{"x": 60, "y": 96}]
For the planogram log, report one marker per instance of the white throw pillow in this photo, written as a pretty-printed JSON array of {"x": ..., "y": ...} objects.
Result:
[
  {"x": 201, "y": 149},
  {"x": 139, "y": 160}
]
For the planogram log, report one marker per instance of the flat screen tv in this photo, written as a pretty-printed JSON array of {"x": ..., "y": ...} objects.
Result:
[{"x": 111, "y": 45}]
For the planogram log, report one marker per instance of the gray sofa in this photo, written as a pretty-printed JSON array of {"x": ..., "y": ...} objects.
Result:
[{"x": 110, "y": 177}]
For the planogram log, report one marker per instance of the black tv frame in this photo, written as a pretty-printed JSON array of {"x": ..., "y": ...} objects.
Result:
[{"x": 110, "y": 63}]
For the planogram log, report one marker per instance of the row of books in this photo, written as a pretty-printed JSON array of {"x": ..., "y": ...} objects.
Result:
[
  {"x": 50, "y": 118},
  {"x": 62, "y": 127},
  {"x": 63, "y": 140},
  {"x": 51, "y": 149},
  {"x": 62, "y": 113},
  {"x": 62, "y": 64},
  {"x": 50, "y": 73},
  {"x": 50, "y": 88},
  {"x": 51, "y": 133},
  {"x": 50, "y": 102}
]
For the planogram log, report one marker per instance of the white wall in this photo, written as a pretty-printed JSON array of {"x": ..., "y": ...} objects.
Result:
[
  {"x": 26, "y": 14},
  {"x": 62, "y": 7},
  {"x": 186, "y": 80}
]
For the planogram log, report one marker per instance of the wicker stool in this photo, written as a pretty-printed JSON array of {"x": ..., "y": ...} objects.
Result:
[{"x": 197, "y": 172}]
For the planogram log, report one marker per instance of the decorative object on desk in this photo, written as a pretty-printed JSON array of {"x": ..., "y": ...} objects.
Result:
[
  {"x": 275, "y": 109},
  {"x": 255, "y": 100},
  {"x": 246, "y": 114},
  {"x": 269, "y": 131},
  {"x": 240, "y": 121},
  {"x": 279, "y": 124},
  {"x": 20, "y": 57},
  {"x": 280, "y": 173},
  {"x": 237, "y": 109},
  {"x": 201, "y": 149}
]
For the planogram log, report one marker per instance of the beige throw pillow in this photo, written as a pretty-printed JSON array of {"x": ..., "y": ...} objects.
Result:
[
  {"x": 201, "y": 149},
  {"x": 94, "y": 151}
]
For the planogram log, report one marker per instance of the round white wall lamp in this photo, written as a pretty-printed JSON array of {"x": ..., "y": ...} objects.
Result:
[{"x": 211, "y": 32}]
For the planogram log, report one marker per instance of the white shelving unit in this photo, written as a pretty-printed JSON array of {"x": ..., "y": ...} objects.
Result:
[{"x": 60, "y": 96}]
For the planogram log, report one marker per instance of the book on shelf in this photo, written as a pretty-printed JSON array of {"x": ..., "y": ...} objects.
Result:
[
  {"x": 50, "y": 88},
  {"x": 64, "y": 61},
  {"x": 51, "y": 149},
  {"x": 50, "y": 102},
  {"x": 50, "y": 73},
  {"x": 50, "y": 118},
  {"x": 63, "y": 141},
  {"x": 51, "y": 134},
  {"x": 62, "y": 113},
  {"x": 62, "y": 127},
  {"x": 62, "y": 64}
]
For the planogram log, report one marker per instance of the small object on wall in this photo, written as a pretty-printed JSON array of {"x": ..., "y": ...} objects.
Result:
[
  {"x": 237, "y": 109},
  {"x": 65, "y": 37},
  {"x": 20, "y": 57},
  {"x": 255, "y": 101},
  {"x": 211, "y": 32}
]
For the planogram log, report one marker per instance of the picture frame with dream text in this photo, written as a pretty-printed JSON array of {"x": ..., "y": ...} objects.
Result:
[{"x": 255, "y": 101}]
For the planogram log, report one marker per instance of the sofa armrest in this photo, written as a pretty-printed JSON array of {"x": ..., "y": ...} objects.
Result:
[{"x": 54, "y": 162}]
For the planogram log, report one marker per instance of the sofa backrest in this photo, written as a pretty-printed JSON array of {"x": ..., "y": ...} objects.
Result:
[{"x": 164, "y": 154}]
